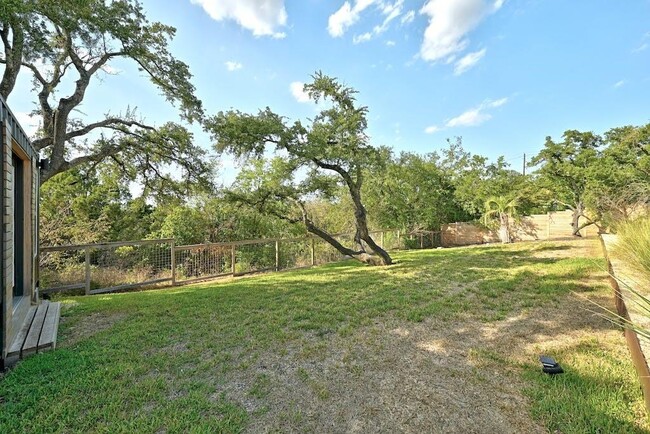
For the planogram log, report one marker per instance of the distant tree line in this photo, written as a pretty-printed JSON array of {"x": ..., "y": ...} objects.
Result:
[{"x": 606, "y": 179}]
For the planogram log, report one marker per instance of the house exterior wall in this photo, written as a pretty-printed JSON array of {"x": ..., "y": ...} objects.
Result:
[{"x": 13, "y": 310}]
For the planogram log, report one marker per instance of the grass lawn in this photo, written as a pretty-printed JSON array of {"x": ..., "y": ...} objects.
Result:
[{"x": 443, "y": 341}]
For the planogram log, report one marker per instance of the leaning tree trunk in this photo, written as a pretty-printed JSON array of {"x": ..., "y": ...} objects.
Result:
[
  {"x": 578, "y": 212},
  {"x": 359, "y": 255},
  {"x": 377, "y": 255},
  {"x": 382, "y": 256}
]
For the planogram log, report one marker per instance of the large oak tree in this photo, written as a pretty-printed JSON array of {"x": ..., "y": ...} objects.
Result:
[
  {"x": 566, "y": 168},
  {"x": 621, "y": 181},
  {"x": 66, "y": 46},
  {"x": 289, "y": 163}
]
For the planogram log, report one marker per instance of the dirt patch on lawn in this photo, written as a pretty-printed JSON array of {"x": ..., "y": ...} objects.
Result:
[
  {"x": 389, "y": 378},
  {"x": 87, "y": 326},
  {"x": 398, "y": 376}
]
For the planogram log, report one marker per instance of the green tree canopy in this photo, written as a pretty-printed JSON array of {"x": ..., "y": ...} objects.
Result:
[
  {"x": 622, "y": 178},
  {"x": 411, "y": 192},
  {"x": 566, "y": 168},
  {"x": 290, "y": 163},
  {"x": 474, "y": 179},
  {"x": 68, "y": 44}
]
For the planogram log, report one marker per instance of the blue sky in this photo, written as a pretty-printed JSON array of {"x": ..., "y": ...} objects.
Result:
[{"x": 503, "y": 74}]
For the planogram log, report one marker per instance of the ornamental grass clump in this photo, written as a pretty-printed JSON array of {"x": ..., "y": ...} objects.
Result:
[
  {"x": 633, "y": 247},
  {"x": 633, "y": 244}
]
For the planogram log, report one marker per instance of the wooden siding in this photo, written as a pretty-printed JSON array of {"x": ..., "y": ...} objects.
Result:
[
  {"x": 16, "y": 131},
  {"x": 13, "y": 139}
]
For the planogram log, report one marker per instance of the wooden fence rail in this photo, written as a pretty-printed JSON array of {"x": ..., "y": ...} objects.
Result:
[
  {"x": 105, "y": 267},
  {"x": 113, "y": 266}
]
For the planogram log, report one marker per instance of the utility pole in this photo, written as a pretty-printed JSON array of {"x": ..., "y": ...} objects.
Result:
[{"x": 524, "y": 170}]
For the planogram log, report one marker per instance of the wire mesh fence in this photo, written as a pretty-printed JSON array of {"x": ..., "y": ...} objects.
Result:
[
  {"x": 420, "y": 240},
  {"x": 202, "y": 261},
  {"x": 255, "y": 257},
  {"x": 61, "y": 269},
  {"x": 98, "y": 268}
]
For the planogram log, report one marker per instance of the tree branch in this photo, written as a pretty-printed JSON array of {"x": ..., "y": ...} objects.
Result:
[
  {"x": 336, "y": 168},
  {"x": 106, "y": 123},
  {"x": 37, "y": 74},
  {"x": 571, "y": 207},
  {"x": 13, "y": 56}
]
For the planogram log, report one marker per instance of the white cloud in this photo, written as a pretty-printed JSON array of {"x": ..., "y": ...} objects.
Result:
[
  {"x": 390, "y": 11},
  {"x": 470, "y": 118},
  {"x": 262, "y": 17},
  {"x": 233, "y": 66},
  {"x": 364, "y": 37},
  {"x": 390, "y": 43},
  {"x": 619, "y": 84},
  {"x": 477, "y": 115},
  {"x": 468, "y": 61},
  {"x": 449, "y": 24},
  {"x": 346, "y": 16},
  {"x": 432, "y": 129},
  {"x": 408, "y": 17},
  {"x": 497, "y": 103},
  {"x": 298, "y": 93}
]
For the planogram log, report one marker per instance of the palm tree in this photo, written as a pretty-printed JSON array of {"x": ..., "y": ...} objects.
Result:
[{"x": 501, "y": 208}]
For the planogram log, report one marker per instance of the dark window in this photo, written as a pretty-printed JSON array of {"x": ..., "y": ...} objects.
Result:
[{"x": 19, "y": 226}]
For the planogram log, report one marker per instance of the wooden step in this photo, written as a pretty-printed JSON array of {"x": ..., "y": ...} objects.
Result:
[
  {"x": 17, "y": 344},
  {"x": 38, "y": 332}
]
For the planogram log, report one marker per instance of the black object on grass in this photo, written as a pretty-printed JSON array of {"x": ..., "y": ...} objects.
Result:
[{"x": 550, "y": 366}]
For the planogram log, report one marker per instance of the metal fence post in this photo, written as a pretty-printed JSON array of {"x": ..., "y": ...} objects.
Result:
[
  {"x": 422, "y": 241},
  {"x": 313, "y": 253},
  {"x": 173, "y": 261},
  {"x": 87, "y": 287},
  {"x": 232, "y": 259},
  {"x": 398, "y": 240},
  {"x": 277, "y": 255}
]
